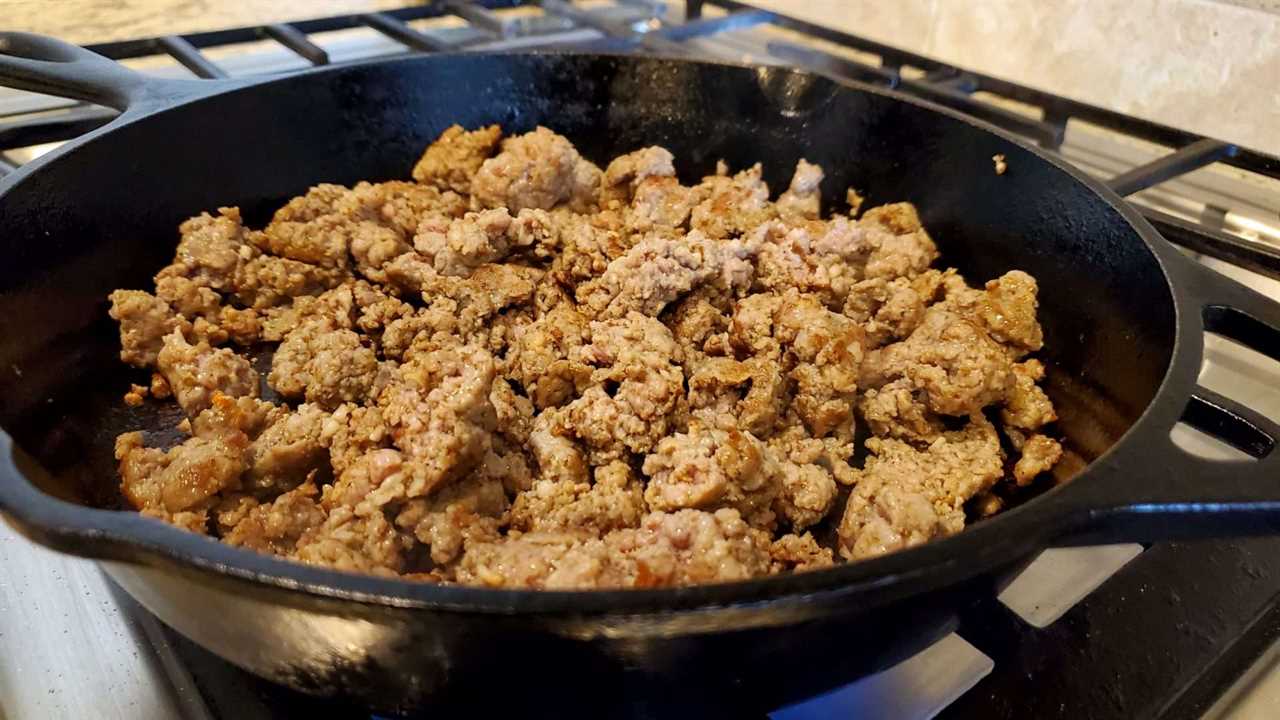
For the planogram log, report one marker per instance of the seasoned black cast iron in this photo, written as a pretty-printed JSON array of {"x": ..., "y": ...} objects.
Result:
[{"x": 1123, "y": 313}]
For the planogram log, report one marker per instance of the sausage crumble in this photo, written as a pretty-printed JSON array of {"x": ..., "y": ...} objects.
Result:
[{"x": 519, "y": 369}]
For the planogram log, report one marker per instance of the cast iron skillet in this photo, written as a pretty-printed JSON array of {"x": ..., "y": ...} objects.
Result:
[{"x": 1123, "y": 312}]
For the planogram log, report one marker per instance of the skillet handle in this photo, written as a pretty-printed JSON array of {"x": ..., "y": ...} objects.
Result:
[
  {"x": 1155, "y": 490},
  {"x": 47, "y": 65}
]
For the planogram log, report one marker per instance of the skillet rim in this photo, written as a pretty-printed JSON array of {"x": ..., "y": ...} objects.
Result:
[{"x": 1002, "y": 539}]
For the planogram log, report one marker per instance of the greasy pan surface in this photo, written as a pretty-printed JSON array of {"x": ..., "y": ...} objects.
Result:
[{"x": 1121, "y": 343}]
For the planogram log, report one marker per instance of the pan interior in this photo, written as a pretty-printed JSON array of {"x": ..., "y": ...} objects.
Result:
[{"x": 105, "y": 215}]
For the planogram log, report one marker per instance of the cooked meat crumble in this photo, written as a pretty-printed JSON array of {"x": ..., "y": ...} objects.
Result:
[{"x": 520, "y": 370}]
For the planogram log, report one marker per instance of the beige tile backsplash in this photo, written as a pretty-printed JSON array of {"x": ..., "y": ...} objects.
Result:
[{"x": 1211, "y": 66}]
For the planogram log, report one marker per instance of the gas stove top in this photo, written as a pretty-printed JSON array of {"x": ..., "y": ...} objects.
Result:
[{"x": 1175, "y": 630}]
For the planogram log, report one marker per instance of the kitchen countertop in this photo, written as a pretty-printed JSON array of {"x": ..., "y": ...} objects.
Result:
[
  {"x": 90, "y": 21},
  {"x": 1209, "y": 66}
]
